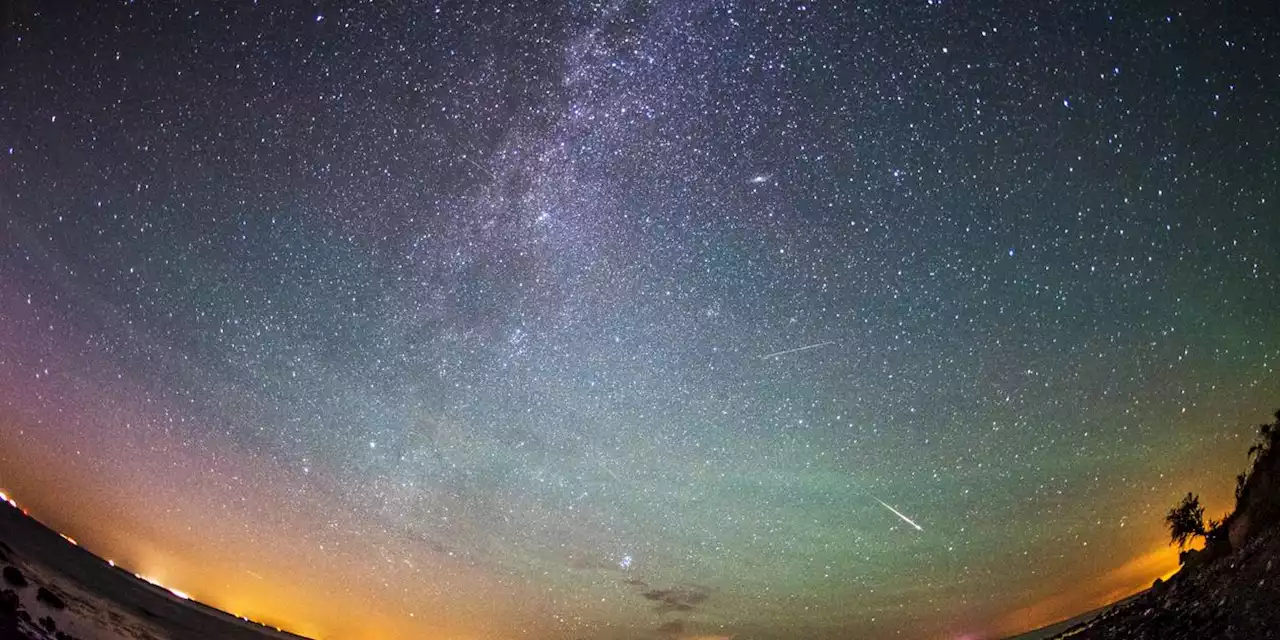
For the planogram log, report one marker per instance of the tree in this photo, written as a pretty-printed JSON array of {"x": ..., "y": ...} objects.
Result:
[
  {"x": 1186, "y": 521},
  {"x": 1266, "y": 440},
  {"x": 1262, "y": 444}
]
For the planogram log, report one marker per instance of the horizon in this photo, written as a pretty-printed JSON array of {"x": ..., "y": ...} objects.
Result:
[
  {"x": 177, "y": 593},
  {"x": 674, "y": 320},
  {"x": 1107, "y": 602}
]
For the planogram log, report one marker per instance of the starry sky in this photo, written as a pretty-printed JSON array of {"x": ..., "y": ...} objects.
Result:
[{"x": 667, "y": 319}]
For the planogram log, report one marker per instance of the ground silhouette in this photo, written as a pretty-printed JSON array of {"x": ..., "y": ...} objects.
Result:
[{"x": 1229, "y": 588}]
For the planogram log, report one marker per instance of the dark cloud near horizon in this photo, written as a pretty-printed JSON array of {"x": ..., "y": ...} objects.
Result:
[{"x": 683, "y": 598}]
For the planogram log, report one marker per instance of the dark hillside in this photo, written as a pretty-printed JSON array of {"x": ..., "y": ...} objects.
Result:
[{"x": 1230, "y": 589}]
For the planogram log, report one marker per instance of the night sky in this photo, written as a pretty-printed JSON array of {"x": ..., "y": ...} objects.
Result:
[{"x": 636, "y": 320}]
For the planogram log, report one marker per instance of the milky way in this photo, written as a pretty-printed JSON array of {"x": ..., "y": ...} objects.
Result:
[{"x": 618, "y": 320}]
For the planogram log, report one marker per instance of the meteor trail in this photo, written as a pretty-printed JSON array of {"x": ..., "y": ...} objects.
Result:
[
  {"x": 898, "y": 513},
  {"x": 804, "y": 348}
]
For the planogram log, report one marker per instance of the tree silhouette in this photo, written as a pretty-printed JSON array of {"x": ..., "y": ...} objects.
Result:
[
  {"x": 1267, "y": 435},
  {"x": 1186, "y": 521},
  {"x": 1260, "y": 446}
]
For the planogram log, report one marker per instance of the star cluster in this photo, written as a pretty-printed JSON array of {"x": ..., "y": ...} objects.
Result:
[{"x": 635, "y": 319}]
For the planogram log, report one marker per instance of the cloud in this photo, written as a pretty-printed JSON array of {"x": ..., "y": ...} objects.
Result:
[{"x": 683, "y": 598}]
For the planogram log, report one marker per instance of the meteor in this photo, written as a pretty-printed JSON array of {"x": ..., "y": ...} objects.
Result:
[
  {"x": 897, "y": 513},
  {"x": 797, "y": 349}
]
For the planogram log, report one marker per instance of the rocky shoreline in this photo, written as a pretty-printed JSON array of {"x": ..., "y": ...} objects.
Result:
[
  {"x": 1231, "y": 588},
  {"x": 1235, "y": 597}
]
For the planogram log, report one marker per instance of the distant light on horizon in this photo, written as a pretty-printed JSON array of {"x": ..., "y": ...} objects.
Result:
[{"x": 156, "y": 583}]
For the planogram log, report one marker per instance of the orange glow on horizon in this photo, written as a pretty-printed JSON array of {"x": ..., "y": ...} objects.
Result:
[
  {"x": 1118, "y": 583},
  {"x": 152, "y": 581},
  {"x": 1115, "y": 584},
  {"x": 296, "y": 588},
  {"x": 277, "y": 625},
  {"x": 245, "y": 600}
]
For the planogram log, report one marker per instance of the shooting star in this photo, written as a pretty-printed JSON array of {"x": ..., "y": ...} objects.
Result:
[
  {"x": 797, "y": 349},
  {"x": 481, "y": 167},
  {"x": 604, "y": 463},
  {"x": 898, "y": 513}
]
